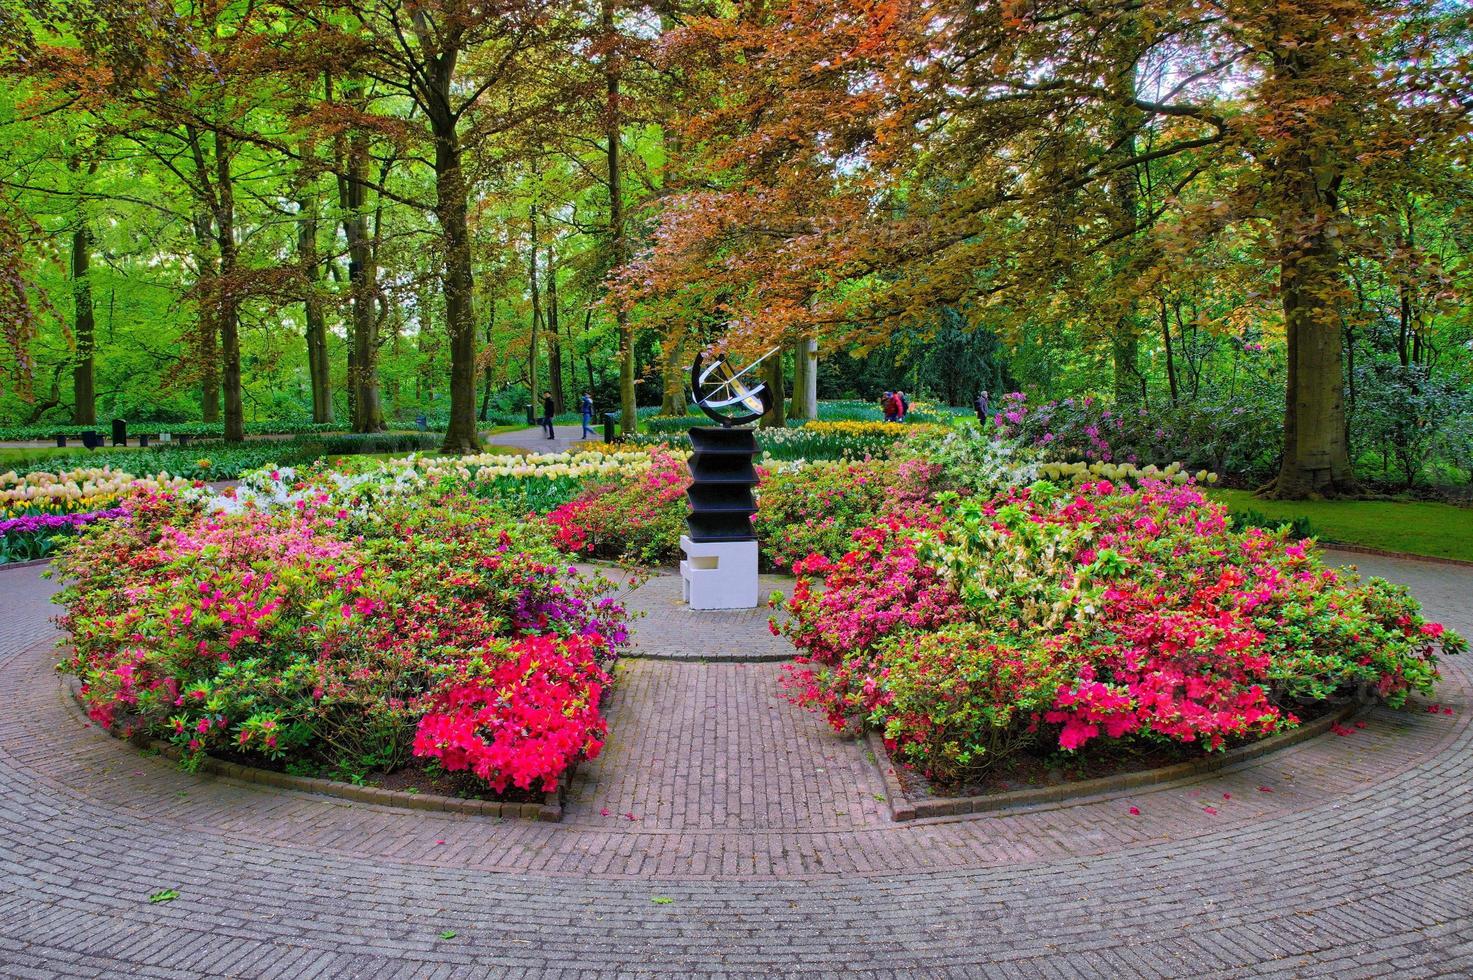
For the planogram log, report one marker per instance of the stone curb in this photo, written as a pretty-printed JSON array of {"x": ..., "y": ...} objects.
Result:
[
  {"x": 1360, "y": 549},
  {"x": 24, "y": 564},
  {"x": 548, "y": 811},
  {"x": 706, "y": 658},
  {"x": 903, "y": 808}
]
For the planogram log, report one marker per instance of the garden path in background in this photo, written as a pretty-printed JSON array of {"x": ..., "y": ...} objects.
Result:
[
  {"x": 724, "y": 833},
  {"x": 535, "y": 439}
]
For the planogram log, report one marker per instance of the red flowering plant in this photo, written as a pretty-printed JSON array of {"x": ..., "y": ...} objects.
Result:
[
  {"x": 518, "y": 713},
  {"x": 1096, "y": 613},
  {"x": 291, "y": 635},
  {"x": 878, "y": 588},
  {"x": 637, "y": 518}
]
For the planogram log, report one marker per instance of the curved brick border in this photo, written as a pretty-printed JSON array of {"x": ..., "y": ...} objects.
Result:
[
  {"x": 903, "y": 808},
  {"x": 550, "y": 810},
  {"x": 1360, "y": 549}
]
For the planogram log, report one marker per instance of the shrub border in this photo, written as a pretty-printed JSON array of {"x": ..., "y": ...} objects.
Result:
[
  {"x": 902, "y": 808},
  {"x": 550, "y": 810}
]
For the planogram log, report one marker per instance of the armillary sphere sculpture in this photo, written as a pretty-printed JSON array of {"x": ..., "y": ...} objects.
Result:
[
  {"x": 718, "y": 387},
  {"x": 720, "y": 546}
]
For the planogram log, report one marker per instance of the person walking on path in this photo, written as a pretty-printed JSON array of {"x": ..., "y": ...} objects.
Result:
[
  {"x": 547, "y": 411},
  {"x": 981, "y": 405},
  {"x": 585, "y": 409},
  {"x": 887, "y": 405},
  {"x": 901, "y": 406}
]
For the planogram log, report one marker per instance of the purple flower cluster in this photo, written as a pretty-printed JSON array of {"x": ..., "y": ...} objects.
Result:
[
  {"x": 559, "y": 610},
  {"x": 57, "y": 522}
]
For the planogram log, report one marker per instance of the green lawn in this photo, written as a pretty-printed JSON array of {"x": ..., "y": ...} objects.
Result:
[{"x": 1414, "y": 527}]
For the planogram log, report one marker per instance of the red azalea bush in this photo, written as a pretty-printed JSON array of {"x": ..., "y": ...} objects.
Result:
[
  {"x": 1092, "y": 614},
  {"x": 519, "y": 713}
]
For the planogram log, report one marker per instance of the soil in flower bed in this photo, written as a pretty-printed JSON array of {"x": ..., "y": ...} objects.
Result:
[{"x": 1044, "y": 765}]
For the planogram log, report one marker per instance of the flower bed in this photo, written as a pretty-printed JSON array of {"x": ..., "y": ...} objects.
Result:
[
  {"x": 40, "y": 511},
  {"x": 1049, "y": 621},
  {"x": 1241, "y": 439},
  {"x": 327, "y": 629}
]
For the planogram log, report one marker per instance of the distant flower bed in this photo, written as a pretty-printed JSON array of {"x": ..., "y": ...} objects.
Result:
[
  {"x": 1058, "y": 620},
  {"x": 1243, "y": 439},
  {"x": 320, "y": 624},
  {"x": 40, "y": 511}
]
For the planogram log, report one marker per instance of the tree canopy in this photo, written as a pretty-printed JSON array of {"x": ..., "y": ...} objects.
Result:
[{"x": 362, "y": 211}]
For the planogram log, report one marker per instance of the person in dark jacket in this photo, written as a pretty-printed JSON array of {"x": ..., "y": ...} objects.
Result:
[
  {"x": 585, "y": 409},
  {"x": 547, "y": 413},
  {"x": 981, "y": 405}
]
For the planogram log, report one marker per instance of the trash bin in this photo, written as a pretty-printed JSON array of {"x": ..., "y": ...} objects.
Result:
[
  {"x": 91, "y": 439},
  {"x": 61, "y": 440},
  {"x": 120, "y": 432},
  {"x": 610, "y": 427},
  {"x": 531, "y": 418}
]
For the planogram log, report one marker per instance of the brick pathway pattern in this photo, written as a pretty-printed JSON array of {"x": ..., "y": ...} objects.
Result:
[{"x": 725, "y": 833}]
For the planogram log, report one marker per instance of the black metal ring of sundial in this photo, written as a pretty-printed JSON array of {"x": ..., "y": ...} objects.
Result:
[{"x": 728, "y": 421}]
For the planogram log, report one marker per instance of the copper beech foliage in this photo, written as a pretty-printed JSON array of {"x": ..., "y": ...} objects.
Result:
[{"x": 864, "y": 162}]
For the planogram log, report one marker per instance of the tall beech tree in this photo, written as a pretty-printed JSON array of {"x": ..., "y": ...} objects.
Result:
[{"x": 876, "y": 161}]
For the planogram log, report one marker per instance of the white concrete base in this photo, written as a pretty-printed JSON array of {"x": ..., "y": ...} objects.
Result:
[{"x": 719, "y": 574}]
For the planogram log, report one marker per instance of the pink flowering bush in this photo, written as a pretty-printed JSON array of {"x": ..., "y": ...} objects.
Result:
[
  {"x": 817, "y": 508},
  {"x": 1086, "y": 615},
  {"x": 292, "y": 638},
  {"x": 639, "y": 519}
]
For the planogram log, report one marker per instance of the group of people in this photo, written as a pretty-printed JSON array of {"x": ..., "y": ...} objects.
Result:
[
  {"x": 894, "y": 404},
  {"x": 585, "y": 409}
]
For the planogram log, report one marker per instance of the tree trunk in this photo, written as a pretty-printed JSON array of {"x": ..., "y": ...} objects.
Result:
[
  {"x": 534, "y": 382},
  {"x": 554, "y": 340},
  {"x": 628, "y": 419},
  {"x": 486, "y": 374},
  {"x": 319, "y": 369},
  {"x": 451, "y": 206},
  {"x": 673, "y": 400},
  {"x": 84, "y": 388},
  {"x": 1170, "y": 357},
  {"x": 366, "y": 406},
  {"x": 207, "y": 336},
  {"x": 800, "y": 364},
  {"x": 226, "y": 291},
  {"x": 809, "y": 354},
  {"x": 1316, "y": 460},
  {"x": 1126, "y": 118},
  {"x": 772, "y": 374}
]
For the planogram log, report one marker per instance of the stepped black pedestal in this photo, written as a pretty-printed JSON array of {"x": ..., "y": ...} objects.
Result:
[{"x": 720, "y": 567}]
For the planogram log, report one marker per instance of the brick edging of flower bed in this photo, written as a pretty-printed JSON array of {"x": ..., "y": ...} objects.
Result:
[
  {"x": 903, "y": 808},
  {"x": 24, "y": 564},
  {"x": 1360, "y": 549},
  {"x": 548, "y": 811}
]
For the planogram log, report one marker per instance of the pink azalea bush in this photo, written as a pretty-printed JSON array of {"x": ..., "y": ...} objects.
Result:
[
  {"x": 638, "y": 519},
  {"x": 291, "y": 637},
  {"x": 817, "y": 508},
  {"x": 1090, "y": 615}
]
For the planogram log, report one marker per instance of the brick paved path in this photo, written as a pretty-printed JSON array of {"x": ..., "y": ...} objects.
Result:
[{"x": 762, "y": 831}]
